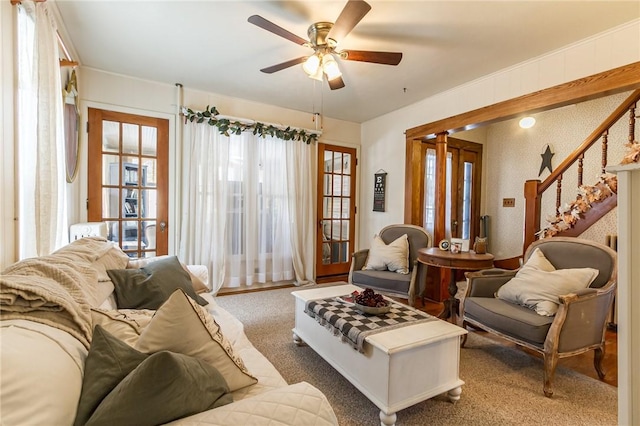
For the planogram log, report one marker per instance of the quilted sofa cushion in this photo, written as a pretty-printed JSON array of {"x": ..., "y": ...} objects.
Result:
[
  {"x": 299, "y": 404},
  {"x": 509, "y": 318}
]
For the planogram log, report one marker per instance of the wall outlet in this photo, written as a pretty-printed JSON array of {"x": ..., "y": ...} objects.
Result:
[{"x": 508, "y": 202}]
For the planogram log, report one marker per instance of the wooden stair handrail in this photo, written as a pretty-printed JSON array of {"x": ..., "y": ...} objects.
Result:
[{"x": 616, "y": 115}]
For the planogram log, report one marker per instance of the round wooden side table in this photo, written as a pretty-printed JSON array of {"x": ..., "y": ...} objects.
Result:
[{"x": 466, "y": 261}]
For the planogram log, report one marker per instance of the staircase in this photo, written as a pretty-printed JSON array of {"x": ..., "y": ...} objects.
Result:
[{"x": 593, "y": 201}]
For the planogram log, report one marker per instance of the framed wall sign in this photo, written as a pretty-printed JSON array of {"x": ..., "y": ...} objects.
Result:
[{"x": 379, "y": 184}]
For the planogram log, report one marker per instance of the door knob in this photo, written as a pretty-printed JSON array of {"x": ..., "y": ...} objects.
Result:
[{"x": 163, "y": 226}]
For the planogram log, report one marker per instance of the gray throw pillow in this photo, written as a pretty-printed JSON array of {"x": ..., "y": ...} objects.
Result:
[
  {"x": 166, "y": 386},
  {"x": 150, "y": 286},
  {"x": 108, "y": 362}
]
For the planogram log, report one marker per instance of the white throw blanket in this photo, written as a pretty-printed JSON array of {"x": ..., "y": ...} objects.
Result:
[{"x": 57, "y": 290}]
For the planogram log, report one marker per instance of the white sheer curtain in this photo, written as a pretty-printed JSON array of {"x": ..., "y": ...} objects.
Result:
[
  {"x": 41, "y": 181},
  {"x": 205, "y": 161},
  {"x": 301, "y": 167},
  {"x": 243, "y": 216},
  {"x": 258, "y": 223}
]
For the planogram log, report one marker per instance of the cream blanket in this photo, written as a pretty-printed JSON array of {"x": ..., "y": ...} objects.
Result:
[{"x": 57, "y": 290}]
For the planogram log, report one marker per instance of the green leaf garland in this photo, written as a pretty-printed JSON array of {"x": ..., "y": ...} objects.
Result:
[{"x": 227, "y": 127}]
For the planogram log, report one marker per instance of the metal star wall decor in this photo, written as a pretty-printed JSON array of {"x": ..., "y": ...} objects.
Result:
[{"x": 546, "y": 160}]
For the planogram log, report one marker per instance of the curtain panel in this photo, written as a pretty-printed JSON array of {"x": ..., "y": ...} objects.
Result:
[
  {"x": 247, "y": 207},
  {"x": 40, "y": 147}
]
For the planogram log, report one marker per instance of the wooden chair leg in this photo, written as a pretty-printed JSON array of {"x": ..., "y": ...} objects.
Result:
[
  {"x": 412, "y": 300},
  {"x": 463, "y": 339},
  {"x": 550, "y": 364},
  {"x": 598, "y": 357}
]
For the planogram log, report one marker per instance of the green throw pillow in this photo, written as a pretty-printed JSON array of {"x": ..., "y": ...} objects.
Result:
[
  {"x": 165, "y": 387},
  {"x": 108, "y": 362},
  {"x": 150, "y": 286}
]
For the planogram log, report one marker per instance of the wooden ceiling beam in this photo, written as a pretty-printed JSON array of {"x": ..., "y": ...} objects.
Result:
[{"x": 609, "y": 82}]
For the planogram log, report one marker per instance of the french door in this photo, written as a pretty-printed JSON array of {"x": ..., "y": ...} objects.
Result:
[
  {"x": 128, "y": 180},
  {"x": 335, "y": 234}
]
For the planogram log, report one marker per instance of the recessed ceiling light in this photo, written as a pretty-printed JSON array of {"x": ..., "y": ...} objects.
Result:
[{"x": 527, "y": 122}]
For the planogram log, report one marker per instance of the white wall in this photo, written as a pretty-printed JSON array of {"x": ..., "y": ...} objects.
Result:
[{"x": 383, "y": 141}]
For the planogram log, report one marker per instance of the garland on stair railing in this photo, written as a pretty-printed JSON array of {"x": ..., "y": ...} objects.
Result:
[
  {"x": 569, "y": 214},
  {"x": 229, "y": 127}
]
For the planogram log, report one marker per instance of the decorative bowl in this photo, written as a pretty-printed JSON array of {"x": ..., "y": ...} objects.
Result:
[{"x": 373, "y": 310}]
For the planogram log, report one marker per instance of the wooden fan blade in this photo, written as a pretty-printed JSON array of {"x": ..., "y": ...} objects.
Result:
[
  {"x": 271, "y": 27},
  {"x": 387, "y": 58},
  {"x": 336, "y": 83},
  {"x": 352, "y": 13},
  {"x": 279, "y": 67}
]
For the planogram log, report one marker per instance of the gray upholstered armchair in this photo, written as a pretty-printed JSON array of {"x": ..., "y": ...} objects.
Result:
[
  {"x": 393, "y": 283},
  {"x": 579, "y": 324}
]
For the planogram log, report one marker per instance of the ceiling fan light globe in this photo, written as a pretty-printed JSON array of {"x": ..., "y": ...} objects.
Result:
[
  {"x": 317, "y": 75},
  {"x": 330, "y": 67},
  {"x": 311, "y": 65},
  {"x": 333, "y": 75}
]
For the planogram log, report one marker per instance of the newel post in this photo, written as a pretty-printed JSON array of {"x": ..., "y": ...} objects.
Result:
[{"x": 531, "y": 212}]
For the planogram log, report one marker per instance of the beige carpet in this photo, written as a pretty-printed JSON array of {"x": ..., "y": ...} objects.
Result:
[{"x": 503, "y": 385}]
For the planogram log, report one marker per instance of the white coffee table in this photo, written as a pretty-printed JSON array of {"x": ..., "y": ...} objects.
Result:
[{"x": 398, "y": 368}]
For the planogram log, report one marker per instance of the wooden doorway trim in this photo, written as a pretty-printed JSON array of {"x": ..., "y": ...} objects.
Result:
[{"x": 606, "y": 83}]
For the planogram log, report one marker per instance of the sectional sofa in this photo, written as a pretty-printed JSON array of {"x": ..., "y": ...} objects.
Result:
[{"x": 89, "y": 336}]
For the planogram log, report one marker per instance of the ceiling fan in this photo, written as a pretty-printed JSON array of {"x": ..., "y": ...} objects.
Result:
[{"x": 323, "y": 39}]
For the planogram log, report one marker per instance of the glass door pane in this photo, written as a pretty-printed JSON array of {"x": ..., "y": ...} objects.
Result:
[
  {"x": 467, "y": 186},
  {"x": 430, "y": 190}
]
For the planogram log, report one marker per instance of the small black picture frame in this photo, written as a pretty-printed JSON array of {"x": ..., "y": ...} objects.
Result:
[{"x": 379, "y": 186}]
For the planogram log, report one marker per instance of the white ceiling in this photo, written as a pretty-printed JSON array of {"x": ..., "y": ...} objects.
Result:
[{"x": 210, "y": 46}]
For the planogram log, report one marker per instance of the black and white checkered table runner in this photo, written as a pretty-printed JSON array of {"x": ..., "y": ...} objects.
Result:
[{"x": 354, "y": 326}]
